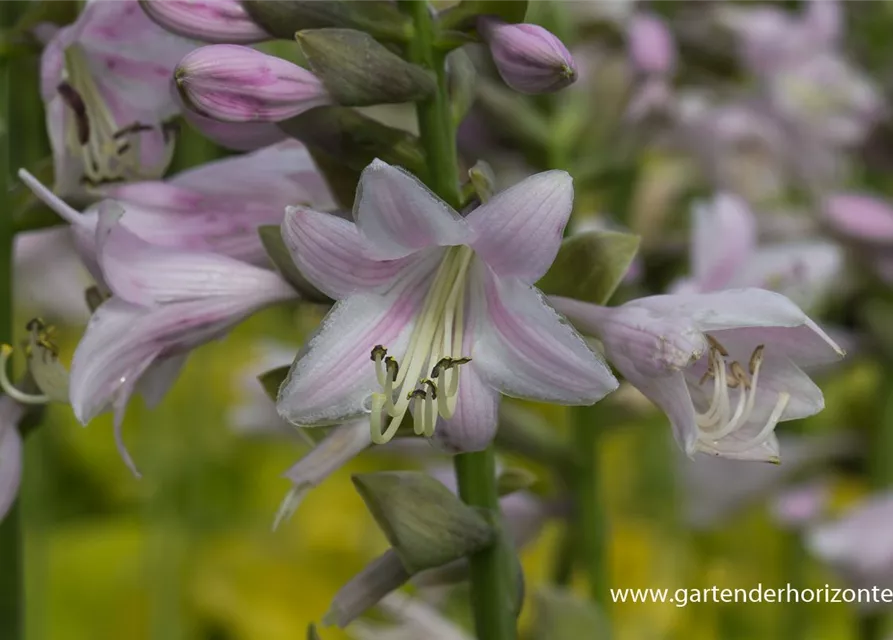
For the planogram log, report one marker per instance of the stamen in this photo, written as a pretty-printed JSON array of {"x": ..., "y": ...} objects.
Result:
[
  {"x": 378, "y": 352},
  {"x": 716, "y": 346},
  {"x": 9, "y": 388},
  {"x": 781, "y": 404}
]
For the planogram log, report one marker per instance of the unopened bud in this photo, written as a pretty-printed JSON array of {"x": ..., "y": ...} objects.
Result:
[
  {"x": 651, "y": 46},
  {"x": 528, "y": 57},
  {"x": 379, "y": 18},
  {"x": 426, "y": 524},
  {"x": 224, "y": 21},
  {"x": 358, "y": 71},
  {"x": 238, "y": 84}
]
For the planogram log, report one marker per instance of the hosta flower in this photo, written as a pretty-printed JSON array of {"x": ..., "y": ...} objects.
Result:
[
  {"x": 49, "y": 277},
  {"x": 436, "y": 313},
  {"x": 652, "y": 52},
  {"x": 858, "y": 544},
  {"x": 106, "y": 83},
  {"x": 206, "y": 20},
  {"x": 11, "y": 412},
  {"x": 724, "y": 367},
  {"x": 411, "y": 618},
  {"x": 215, "y": 207},
  {"x": 725, "y": 255}
]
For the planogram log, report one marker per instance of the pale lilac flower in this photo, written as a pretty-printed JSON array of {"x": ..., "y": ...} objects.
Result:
[
  {"x": 725, "y": 255},
  {"x": 49, "y": 277},
  {"x": 859, "y": 544},
  {"x": 860, "y": 217},
  {"x": 801, "y": 505},
  {"x": 224, "y": 21},
  {"x": 436, "y": 313},
  {"x": 11, "y": 412},
  {"x": 105, "y": 81},
  {"x": 651, "y": 46},
  {"x": 528, "y": 57},
  {"x": 165, "y": 302},
  {"x": 239, "y": 84},
  {"x": 215, "y": 207},
  {"x": 412, "y": 619},
  {"x": 724, "y": 366}
]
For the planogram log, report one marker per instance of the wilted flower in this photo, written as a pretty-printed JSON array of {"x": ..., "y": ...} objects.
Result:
[
  {"x": 436, "y": 312},
  {"x": 105, "y": 81},
  {"x": 858, "y": 544},
  {"x": 412, "y": 619},
  {"x": 528, "y": 57},
  {"x": 224, "y": 21},
  {"x": 11, "y": 412},
  {"x": 685, "y": 353},
  {"x": 239, "y": 84},
  {"x": 215, "y": 207},
  {"x": 725, "y": 255}
]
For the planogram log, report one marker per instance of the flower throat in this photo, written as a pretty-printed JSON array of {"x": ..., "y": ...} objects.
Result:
[{"x": 427, "y": 381}]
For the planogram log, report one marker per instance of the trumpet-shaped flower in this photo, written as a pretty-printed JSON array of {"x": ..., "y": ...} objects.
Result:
[
  {"x": 105, "y": 81},
  {"x": 725, "y": 255},
  {"x": 436, "y": 314},
  {"x": 724, "y": 367},
  {"x": 216, "y": 207},
  {"x": 165, "y": 302},
  {"x": 11, "y": 413},
  {"x": 206, "y": 20}
]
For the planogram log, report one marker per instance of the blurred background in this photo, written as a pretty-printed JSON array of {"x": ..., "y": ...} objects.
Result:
[{"x": 650, "y": 132}]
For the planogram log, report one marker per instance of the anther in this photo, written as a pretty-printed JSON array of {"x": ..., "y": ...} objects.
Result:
[
  {"x": 392, "y": 367},
  {"x": 739, "y": 376},
  {"x": 714, "y": 344},
  {"x": 756, "y": 359},
  {"x": 432, "y": 388}
]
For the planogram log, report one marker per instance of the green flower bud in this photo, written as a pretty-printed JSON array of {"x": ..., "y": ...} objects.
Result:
[{"x": 284, "y": 18}]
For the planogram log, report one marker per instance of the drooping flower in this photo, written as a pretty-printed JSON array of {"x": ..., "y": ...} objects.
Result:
[
  {"x": 218, "y": 21},
  {"x": 528, "y": 57},
  {"x": 724, "y": 366},
  {"x": 105, "y": 81},
  {"x": 436, "y": 313},
  {"x": 11, "y": 412},
  {"x": 239, "y": 84},
  {"x": 412, "y": 618},
  {"x": 215, "y": 207},
  {"x": 858, "y": 544},
  {"x": 725, "y": 255}
]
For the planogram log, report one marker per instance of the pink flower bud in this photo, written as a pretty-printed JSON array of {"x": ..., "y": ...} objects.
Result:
[
  {"x": 651, "y": 45},
  {"x": 860, "y": 216},
  {"x": 529, "y": 58},
  {"x": 209, "y": 20},
  {"x": 238, "y": 84}
]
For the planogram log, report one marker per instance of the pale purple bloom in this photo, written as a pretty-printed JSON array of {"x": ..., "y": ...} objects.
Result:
[
  {"x": 239, "y": 84},
  {"x": 105, "y": 81},
  {"x": 724, "y": 366},
  {"x": 224, "y": 21},
  {"x": 412, "y": 619},
  {"x": 725, "y": 255},
  {"x": 528, "y": 57},
  {"x": 652, "y": 48},
  {"x": 11, "y": 412},
  {"x": 165, "y": 302},
  {"x": 215, "y": 207},
  {"x": 49, "y": 276},
  {"x": 859, "y": 544},
  {"x": 860, "y": 217},
  {"x": 801, "y": 505},
  {"x": 436, "y": 313}
]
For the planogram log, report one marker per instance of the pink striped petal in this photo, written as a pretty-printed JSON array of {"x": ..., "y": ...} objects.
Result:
[
  {"x": 329, "y": 251},
  {"x": 525, "y": 349},
  {"x": 519, "y": 231},
  {"x": 473, "y": 425},
  {"x": 399, "y": 215},
  {"x": 333, "y": 376},
  {"x": 241, "y": 136},
  {"x": 670, "y": 394}
]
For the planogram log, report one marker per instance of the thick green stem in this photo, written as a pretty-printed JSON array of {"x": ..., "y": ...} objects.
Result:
[
  {"x": 494, "y": 578},
  {"x": 591, "y": 523}
]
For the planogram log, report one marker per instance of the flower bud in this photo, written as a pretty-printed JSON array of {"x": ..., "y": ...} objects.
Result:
[
  {"x": 529, "y": 58},
  {"x": 651, "y": 46},
  {"x": 860, "y": 217},
  {"x": 238, "y": 84},
  {"x": 358, "y": 71},
  {"x": 222, "y": 21}
]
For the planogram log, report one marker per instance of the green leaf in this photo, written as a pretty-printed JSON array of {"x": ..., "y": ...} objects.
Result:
[
  {"x": 514, "y": 479},
  {"x": 357, "y": 71},
  {"x": 284, "y": 18},
  {"x": 353, "y": 140},
  {"x": 463, "y": 16},
  {"x": 271, "y": 381},
  {"x": 590, "y": 265},
  {"x": 462, "y": 78},
  {"x": 426, "y": 524},
  {"x": 271, "y": 238}
]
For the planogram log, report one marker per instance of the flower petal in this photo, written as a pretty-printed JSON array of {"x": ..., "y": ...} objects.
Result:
[
  {"x": 240, "y": 136},
  {"x": 158, "y": 379},
  {"x": 10, "y": 454},
  {"x": 147, "y": 274},
  {"x": 473, "y": 426},
  {"x": 524, "y": 348},
  {"x": 519, "y": 231},
  {"x": 671, "y": 395},
  {"x": 399, "y": 215},
  {"x": 766, "y": 451},
  {"x": 333, "y": 376},
  {"x": 329, "y": 252},
  {"x": 724, "y": 237}
]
